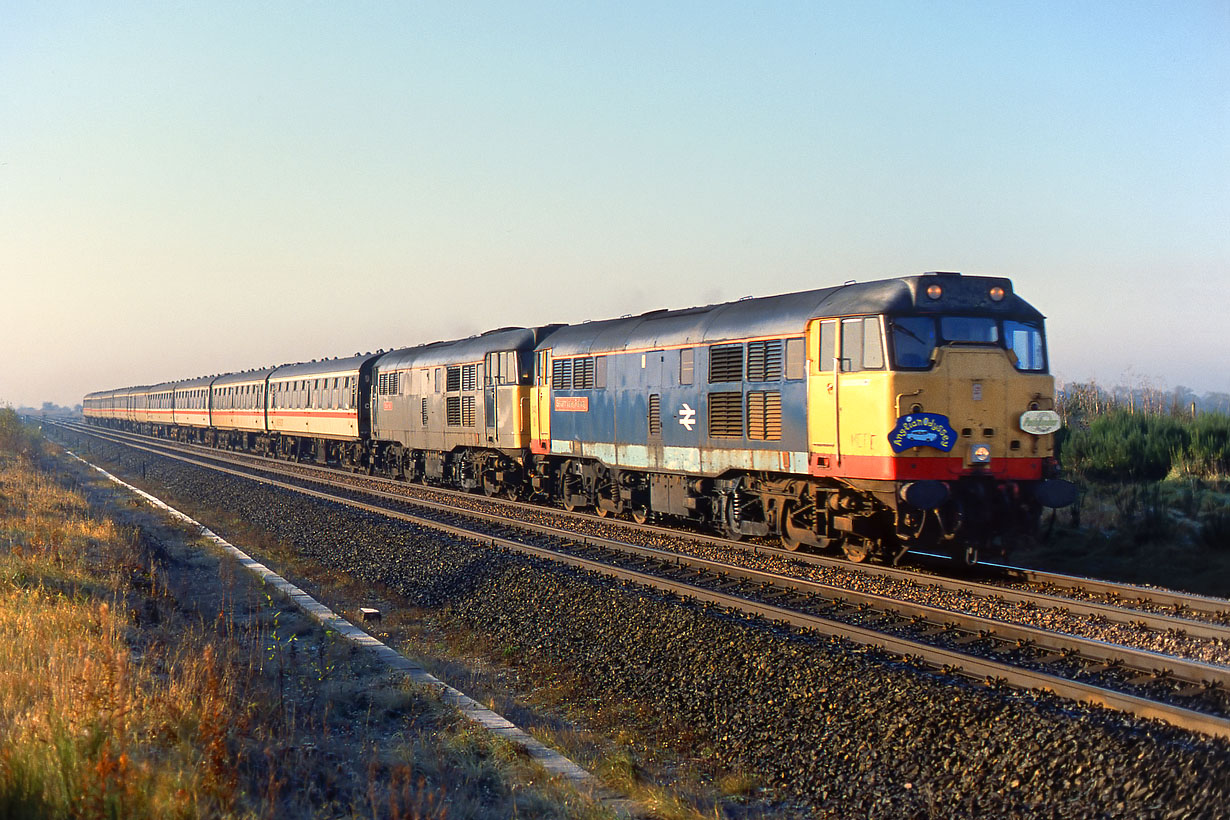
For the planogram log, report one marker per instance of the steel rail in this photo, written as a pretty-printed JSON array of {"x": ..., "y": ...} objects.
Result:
[
  {"x": 935, "y": 656},
  {"x": 1161, "y": 622}
]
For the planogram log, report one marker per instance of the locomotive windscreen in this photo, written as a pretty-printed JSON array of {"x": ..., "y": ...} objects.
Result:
[{"x": 914, "y": 338}]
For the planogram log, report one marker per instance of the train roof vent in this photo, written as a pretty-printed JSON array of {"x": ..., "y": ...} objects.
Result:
[{"x": 942, "y": 273}]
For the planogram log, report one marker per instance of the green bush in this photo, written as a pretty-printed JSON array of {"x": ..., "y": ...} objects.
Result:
[
  {"x": 17, "y": 437},
  {"x": 1209, "y": 450},
  {"x": 1122, "y": 446}
]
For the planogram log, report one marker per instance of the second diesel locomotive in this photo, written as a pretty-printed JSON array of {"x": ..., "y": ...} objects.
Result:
[{"x": 875, "y": 417}]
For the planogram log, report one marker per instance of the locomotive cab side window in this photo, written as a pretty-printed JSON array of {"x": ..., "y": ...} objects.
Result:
[
  {"x": 861, "y": 348},
  {"x": 544, "y": 364},
  {"x": 826, "y": 356}
]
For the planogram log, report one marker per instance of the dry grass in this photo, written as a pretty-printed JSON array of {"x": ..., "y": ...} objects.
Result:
[
  {"x": 88, "y": 732},
  {"x": 140, "y": 678},
  {"x": 637, "y": 763}
]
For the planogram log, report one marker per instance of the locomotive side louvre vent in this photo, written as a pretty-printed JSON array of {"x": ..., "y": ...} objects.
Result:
[
  {"x": 764, "y": 416},
  {"x": 452, "y": 411},
  {"x": 726, "y": 415},
  {"x": 764, "y": 360},
  {"x": 452, "y": 379},
  {"x": 725, "y": 363},
  {"x": 467, "y": 411},
  {"x": 389, "y": 384},
  {"x": 561, "y": 374},
  {"x": 655, "y": 414},
  {"x": 583, "y": 374},
  {"x": 469, "y": 377},
  {"x": 424, "y": 411}
]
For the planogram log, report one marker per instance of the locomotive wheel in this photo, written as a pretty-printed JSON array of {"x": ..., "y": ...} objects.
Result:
[
  {"x": 571, "y": 486},
  {"x": 640, "y": 514},
  {"x": 855, "y": 550},
  {"x": 791, "y": 534}
]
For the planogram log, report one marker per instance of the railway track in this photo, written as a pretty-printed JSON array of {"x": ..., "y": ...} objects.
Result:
[{"x": 1187, "y": 693}]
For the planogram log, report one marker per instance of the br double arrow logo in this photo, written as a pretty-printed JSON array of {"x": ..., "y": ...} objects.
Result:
[{"x": 687, "y": 416}]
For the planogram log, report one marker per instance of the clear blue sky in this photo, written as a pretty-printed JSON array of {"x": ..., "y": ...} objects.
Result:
[{"x": 189, "y": 189}]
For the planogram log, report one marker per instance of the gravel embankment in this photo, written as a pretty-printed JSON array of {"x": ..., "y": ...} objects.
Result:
[
  {"x": 843, "y": 728},
  {"x": 919, "y": 591}
]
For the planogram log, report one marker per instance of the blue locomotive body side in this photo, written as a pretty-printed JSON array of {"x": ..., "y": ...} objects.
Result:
[{"x": 698, "y": 428}]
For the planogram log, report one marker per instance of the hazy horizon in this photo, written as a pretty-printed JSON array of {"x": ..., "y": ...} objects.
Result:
[{"x": 255, "y": 185}]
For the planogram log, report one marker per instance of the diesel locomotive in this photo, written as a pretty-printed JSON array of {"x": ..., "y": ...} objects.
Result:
[{"x": 870, "y": 418}]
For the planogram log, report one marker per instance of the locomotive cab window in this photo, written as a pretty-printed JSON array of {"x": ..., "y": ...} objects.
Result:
[
  {"x": 501, "y": 368},
  {"x": 861, "y": 348},
  {"x": 826, "y": 356},
  {"x": 915, "y": 338},
  {"x": 913, "y": 341},
  {"x": 544, "y": 363},
  {"x": 1025, "y": 341}
]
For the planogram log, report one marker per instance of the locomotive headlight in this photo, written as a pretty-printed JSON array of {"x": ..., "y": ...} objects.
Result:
[
  {"x": 934, "y": 291},
  {"x": 997, "y": 294},
  {"x": 980, "y": 454}
]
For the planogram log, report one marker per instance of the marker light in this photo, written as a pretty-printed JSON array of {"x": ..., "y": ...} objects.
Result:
[
  {"x": 934, "y": 291},
  {"x": 980, "y": 454},
  {"x": 997, "y": 294}
]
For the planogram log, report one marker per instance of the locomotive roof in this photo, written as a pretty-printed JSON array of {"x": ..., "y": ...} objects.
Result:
[
  {"x": 788, "y": 314},
  {"x": 464, "y": 350}
]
